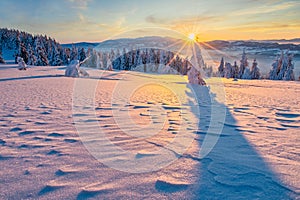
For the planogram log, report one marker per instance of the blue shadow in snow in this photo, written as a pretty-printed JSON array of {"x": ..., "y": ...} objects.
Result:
[{"x": 233, "y": 169}]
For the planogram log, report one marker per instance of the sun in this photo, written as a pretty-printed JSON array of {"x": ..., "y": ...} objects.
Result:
[{"x": 192, "y": 37}]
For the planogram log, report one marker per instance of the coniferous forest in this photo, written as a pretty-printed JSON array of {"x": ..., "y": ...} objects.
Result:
[{"x": 41, "y": 50}]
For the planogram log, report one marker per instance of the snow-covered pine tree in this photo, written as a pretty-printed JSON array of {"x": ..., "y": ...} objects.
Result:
[
  {"x": 185, "y": 66},
  {"x": 208, "y": 71},
  {"x": 117, "y": 61},
  {"x": 92, "y": 59},
  {"x": 244, "y": 64},
  {"x": 82, "y": 55},
  {"x": 235, "y": 69},
  {"x": 157, "y": 60},
  {"x": 89, "y": 52},
  {"x": 100, "y": 63},
  {"x": 42, "y": 59},
  {"x": 74, "y": 53},
  {"x": 1, "y": 57},
  {"x": 283, "y": 62},
  {"x": 139, "y": 60},
  {"x": 17, "y": 41},
  {"x": 66, "y": 56},
  {"x": 247, "y": 73},
  {"x": 151, "y": 55},
  {"x": 56, "y": 61},
  {"x": 130, "y": 60},
  {"x": 124, "y": 60},
  {"x": 112, "y": 55},
  {"x": 194, "y": 76},
  {"x": 109, "y": 62},
  {"x": 289, "y": 73},
  {"x": 255, "y": 71},
  {"x": 282, "y": 68},
  {"x": 23, "y": 53},
  {"x": 104, "y": 60},
  {"x": 32, "y": 58},
  {"x": 273, "y": 71},
  {"x": 221, "y": 68},
  {"x": 49, "y": 49},
  {"x": 228, "y": 70}
]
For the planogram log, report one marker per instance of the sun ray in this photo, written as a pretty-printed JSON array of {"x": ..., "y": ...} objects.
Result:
[
  {"x": 177, "y": 53},
  {"x": 215, "y": 49},
  {"x": 173, "y": 44}
]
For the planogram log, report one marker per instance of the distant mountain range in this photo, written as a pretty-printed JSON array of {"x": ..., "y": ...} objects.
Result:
[
  {"x": 293, "y": 41},
  {"x": 221, "y": 44},
  {"x": 162, "y": 40},
  {"x": 175, "y": 44},
  {"x": 81, "y": 44}
]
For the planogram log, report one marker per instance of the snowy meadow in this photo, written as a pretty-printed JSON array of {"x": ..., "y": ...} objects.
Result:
[{"x": 137, "y": 119}]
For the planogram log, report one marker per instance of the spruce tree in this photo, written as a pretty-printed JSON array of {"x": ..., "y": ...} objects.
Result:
[
  {"x": 221, "y": 68},
  {"x": 235, "y": 68},
  {"x": 282, "y": 68},
  {"x": 23, "y": 53},
  {"x": 255, "y": 72},
  {"x": 289, "y": 73},
  {"x": 244, "y": 64},
  {"x": 74, "y": 53},
  {"x": 1, "y": 57},
  {"x": 82, "y": 55},
  {"x": 228, "y": 70}
]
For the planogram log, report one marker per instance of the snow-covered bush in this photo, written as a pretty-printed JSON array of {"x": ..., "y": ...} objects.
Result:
[
  {"x": 72, "y": 69},
  {"x": 21, "y": 63}
]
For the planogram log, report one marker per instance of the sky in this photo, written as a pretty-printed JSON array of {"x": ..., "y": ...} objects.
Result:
[{"x": 99, "y": 20}]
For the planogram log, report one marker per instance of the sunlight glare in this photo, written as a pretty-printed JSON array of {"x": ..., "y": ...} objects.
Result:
[{"x": 192, "y": 36}]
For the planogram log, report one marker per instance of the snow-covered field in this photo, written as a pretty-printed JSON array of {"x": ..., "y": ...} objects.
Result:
[{"x": 51, "y": 134}]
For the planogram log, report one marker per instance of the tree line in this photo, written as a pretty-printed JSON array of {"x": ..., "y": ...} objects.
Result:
[
  {"x": 41, "y": 50},
  {"x": 37, "y": 50},
  {"x": 282, "y": 68}
]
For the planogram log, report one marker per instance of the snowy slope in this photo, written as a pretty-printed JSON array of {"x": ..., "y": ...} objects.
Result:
[{"x": 46, "y": 155}]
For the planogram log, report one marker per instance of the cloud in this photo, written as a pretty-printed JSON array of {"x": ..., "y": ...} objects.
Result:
[
  {"x": 155, "y": 20},
  {"x": 264, "y": 9},
  {"x": 256, "y": 27},
  {"x": 187, "y": 20},
  {"x": 80, "y": 4}
]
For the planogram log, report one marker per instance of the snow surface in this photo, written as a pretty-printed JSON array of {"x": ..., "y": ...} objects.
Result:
[{"x": 257, "y": 155}]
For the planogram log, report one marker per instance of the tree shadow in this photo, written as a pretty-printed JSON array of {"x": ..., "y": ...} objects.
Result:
[
  {"x": 30, "y": 77},
  {"x": 233, "y": 169}
]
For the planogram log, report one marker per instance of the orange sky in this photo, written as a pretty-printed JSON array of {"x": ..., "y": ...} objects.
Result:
[{"x": 91, "y": 20}]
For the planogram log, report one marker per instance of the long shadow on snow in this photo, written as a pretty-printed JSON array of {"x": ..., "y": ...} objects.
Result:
[{"x": 233, "y": 169}]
